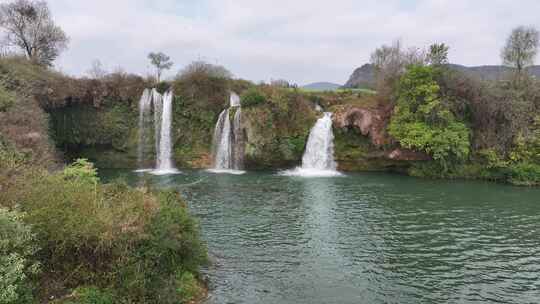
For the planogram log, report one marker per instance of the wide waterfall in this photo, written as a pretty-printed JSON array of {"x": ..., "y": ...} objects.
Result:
[
  {"x": 162, "y": 107},
  {"x": 318, "y": 159},
  {"x": 228, "y": 144}
]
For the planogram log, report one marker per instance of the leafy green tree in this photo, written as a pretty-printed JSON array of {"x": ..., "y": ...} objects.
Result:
[
  {"x": 422, "y": 121},
  {"x": 161, "y": 62},
  {"x": 438, "y": 54}
]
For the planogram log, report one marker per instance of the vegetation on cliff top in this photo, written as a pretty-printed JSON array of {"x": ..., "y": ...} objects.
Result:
[{"x": 471, "y": 128}]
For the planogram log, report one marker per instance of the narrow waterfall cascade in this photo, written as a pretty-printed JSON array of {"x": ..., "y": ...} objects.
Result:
[
  {"x": 157, "y": 102},
  {"x": 145, "y": 107},
  {"x": 228, "y": 142},
  {"x": 234, "y": 100},
  {"x": 162, "y": 108},
  {"x": 318, "y": 159},
  {"x": 222, "y": 142},
  {"x": 164, "y": 164}
]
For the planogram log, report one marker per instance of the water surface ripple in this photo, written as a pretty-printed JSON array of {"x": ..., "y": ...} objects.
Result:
[{"x": 365, "y": 238}]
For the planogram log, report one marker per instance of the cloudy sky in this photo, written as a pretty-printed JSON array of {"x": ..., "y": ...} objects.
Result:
[{"x": 299, "y": 40}]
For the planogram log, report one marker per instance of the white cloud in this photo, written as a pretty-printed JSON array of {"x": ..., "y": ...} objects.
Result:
[{"x": 300, "y": 40}]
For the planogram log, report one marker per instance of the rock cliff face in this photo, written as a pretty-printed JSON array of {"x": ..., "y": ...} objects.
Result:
[
  {"x": 362, "y": 142},
  {"x": 362, "y": 77},
  {"x": 370, "y": 122}
]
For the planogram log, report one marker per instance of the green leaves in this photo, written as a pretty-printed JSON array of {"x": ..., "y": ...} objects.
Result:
[
  {"x": 252, "y": 97},
  {"x": 422, "y": 121},
  {"x": 17, "y": 247},
  {"x": 81, "y": 170}
]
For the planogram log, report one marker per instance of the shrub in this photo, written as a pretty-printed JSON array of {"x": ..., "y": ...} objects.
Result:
[
  {"x": 187, "y": 287},
  {"x": 82, "y": 170},
  {"x": 252, "y": 97},
  {"x": 172, "y": 247},
  {"x": 524, "y": 174},
  {"x": 17, "y": 267},
  {"x": 89, "y": 295},
  {"x": 7, "y": 99},
  {"x": 131, "y": 241},
  {"x": 423, "y": 121},
  {"x": 163, "y": 87}
]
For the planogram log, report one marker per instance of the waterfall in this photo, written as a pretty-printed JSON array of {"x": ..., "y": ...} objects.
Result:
[
  {"x": 228, "y": 150},
  {"x": 238, "y": 140},
  {"x": 318, "y": 159},
  {"x": 145, "y": 104},
  {"x": 164, "y": 155},
  {"x": 162, "y": 107},
  {"x": 222, "y": 135},
  {"x": 234, "y": 100},
  {"x": 157, "y": 102}
]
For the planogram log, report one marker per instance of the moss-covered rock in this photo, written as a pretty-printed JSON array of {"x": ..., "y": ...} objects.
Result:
[
  {"x": 107, "y": 135},
  {"x": 277, "y": 129}
]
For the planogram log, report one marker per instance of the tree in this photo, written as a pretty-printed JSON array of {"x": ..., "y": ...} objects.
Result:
[
  {"x": 161, "y": 62},
  {"x": 200, "y": 67},
  {"x": 438, "y": 54},
  {"x": 97, "y": 71},
  {"x": 28, "y": 25},
  {"x": 423, "y": 121},
  {"x": 281, "y": 83},
  {"x": 521, "y": 48},
  {"x": 390, "y": 63}
]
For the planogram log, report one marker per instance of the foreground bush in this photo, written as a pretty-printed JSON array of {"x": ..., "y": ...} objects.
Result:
[
  {"x": 137, "y": 245},
  {"x": 17, "y": 266}
]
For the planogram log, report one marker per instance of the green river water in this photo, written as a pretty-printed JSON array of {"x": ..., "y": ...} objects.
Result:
[{"x": 362, "y": 238}]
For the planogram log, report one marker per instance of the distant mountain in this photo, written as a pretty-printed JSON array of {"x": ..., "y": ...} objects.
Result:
[
  {"x": 364, "y": 76},
  {"x": 322, "y": 86},
  {"x": 492, "y": 72}
]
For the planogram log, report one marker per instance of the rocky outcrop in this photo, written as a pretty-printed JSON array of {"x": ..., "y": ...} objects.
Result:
[
  {"x": 370, "y": 122},
  {"x": 63, "y": 91},
  {"x": 362, "y": 77},
  {"x": 401, "y": 154}
]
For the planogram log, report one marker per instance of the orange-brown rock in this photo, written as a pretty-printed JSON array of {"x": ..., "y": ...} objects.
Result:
[
  {"x": 402, "y": 154},
  {"x": 370, "y": 122}
]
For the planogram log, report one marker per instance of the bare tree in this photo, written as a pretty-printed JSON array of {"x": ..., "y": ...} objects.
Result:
[
  {"x": 521, "y": 48},
  {"x": 281, "y": 83},
  {"x": 161, "y": 62},
  {"x": 390, "y": 63},
  {"x": 28, "y": 25},
  {"x": 97, "y": 71}
]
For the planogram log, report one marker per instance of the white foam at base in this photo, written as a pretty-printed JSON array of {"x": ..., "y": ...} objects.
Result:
[
  {"x": 226, "y": 171},
  {"x": 165, "y": 172},
  {"x": 302, "y": 172}
]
